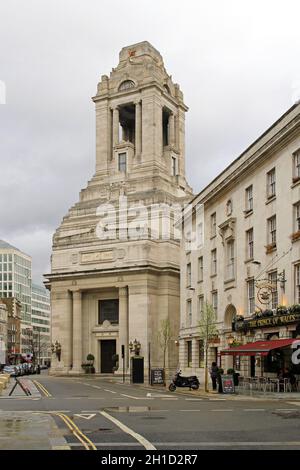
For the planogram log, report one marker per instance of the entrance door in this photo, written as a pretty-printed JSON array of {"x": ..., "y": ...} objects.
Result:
[
  {"x": 108, "y": 349},
  {"x": 252, "y": 366}
]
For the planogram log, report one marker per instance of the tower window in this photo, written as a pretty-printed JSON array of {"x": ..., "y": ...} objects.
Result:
[
  {"x": 126, "y": 85},
  {"x": 122, "y": 162}
]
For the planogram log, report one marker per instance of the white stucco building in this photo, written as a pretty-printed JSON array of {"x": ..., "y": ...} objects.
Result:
[{"x": 249, "y": 263}]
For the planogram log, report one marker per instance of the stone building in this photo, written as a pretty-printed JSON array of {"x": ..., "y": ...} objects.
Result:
[
  {"x": 115, "y": 272},
  {"x": 14, "y": 309},
  {"x": 3, "y": 332},
  {"x": 248, "y": 262}
]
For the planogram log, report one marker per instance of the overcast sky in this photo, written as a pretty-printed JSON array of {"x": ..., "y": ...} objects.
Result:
[{"x": 237, "y": 63}]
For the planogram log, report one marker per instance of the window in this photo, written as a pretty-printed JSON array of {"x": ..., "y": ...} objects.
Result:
[
  {"x": 126, "y": 85},
  {"x": 214, "y": 262},
  {"x": 189, "y": 313},
  {"x": 200, "y": 269},
  {"x": 297, "y": 217},
  {"x": 251, "y": 296},
  {"x": 214, "y": 300},
  {"x": 230, "y": 260},
  {"x": 201, "y": 353},
  {"x": 296, "y": 166},
  {"x": 200, "y": 306},
  {"x": 250, "y": 245},
  {"x": 189, "y": 353},
  {"x": 188, "y": 274},
  {"x": 249, "y": 199},
  {"x": 271, "y": 183},
  {"x": 174, "y": 166},
  {"x": 213, "y": 225},
  {"x": 272, "y": 230},
  {"x": 274, "y": 295},
  {"x": 297, "y": 284},
  {"x": 122, "y": 162},
  {"x": 108, "y": 310}
]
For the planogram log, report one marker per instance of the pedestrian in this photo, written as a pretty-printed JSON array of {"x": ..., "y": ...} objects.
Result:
[
  {"x": 219, "y": 379},
  {"x": 214, "y": 374}
]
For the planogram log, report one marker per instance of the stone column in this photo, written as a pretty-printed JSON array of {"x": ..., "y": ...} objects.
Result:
[
  {"x": 171, "y": 130},
  {"x": 138, "y": 129},
  {"x": 115, "y": 126},
  {"x": 123, "y": 327},
  {"x": 77, "y": 332}
]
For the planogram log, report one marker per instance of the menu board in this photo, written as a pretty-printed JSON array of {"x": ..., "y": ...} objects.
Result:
[
  {"x": 227, "y": 383},
  {"x": 157, "y": 376}
]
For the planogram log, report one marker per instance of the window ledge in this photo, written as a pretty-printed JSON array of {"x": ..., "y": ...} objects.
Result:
[
  {"x": 228, "y": 281},
  {"x": 270, "y": 199},
  {"x": 248, "y": 213},
  {"x": 296, "y": 182},
  {"x": 249, "y": 260},
  {"x": 199, "y": 282},
  {"x": 213, "y": 275},
  {"x": 213, "y": 236}
]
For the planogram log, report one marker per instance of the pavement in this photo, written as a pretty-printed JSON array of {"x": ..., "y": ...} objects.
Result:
[{"x": 95, "y": 413}]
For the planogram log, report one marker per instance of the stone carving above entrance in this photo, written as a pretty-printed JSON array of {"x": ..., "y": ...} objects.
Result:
[{"x": 97, "y": 256}]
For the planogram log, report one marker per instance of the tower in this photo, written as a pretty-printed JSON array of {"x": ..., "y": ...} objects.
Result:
[{"x": 115, "y": 267}]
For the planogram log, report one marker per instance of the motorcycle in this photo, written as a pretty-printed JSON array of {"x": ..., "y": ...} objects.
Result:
[{"x": 191, "y": 382}]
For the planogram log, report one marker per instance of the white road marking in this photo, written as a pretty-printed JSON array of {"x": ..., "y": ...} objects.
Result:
[
  {"x": 111, "y": 391},
  {"x": 86, "y": 416},
  {"x": 142, "y": 440},
  {"x": 193, "y": 399},
  {"x": 217, "y": 399},
  {"x": 190, "y": 410},
  {"x": 222, "y": 410},
  {"x": 136, "y": 398},
  {"x": 170, "y": 399},
  {"x": 297, "y": 403}
]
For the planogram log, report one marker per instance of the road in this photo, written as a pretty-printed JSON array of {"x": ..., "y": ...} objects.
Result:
[{"x": 95, "y": 413}]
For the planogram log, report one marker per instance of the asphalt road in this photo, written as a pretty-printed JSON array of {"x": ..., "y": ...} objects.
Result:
[{"x": 93, "y": 412}]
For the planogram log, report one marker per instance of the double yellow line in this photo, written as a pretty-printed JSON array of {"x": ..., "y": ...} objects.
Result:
[
  {"x": 86, "y": 442},
  {"x": 42, "y": 388}
]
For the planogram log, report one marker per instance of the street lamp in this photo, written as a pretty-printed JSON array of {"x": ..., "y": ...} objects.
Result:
[
  {"x": 56, "y": 349},
  {"x": 135, "y": 347}
]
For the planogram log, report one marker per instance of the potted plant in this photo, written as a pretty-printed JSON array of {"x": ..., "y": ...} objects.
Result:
[
  {"x": 282, "y": 310},
  {"x": 89, "y": 366}
]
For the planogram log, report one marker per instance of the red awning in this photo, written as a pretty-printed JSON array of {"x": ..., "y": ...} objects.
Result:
[{"x": 259, "y": 348}]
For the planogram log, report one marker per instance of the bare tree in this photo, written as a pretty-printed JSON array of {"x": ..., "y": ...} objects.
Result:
[{"x": 207, "y": 330}]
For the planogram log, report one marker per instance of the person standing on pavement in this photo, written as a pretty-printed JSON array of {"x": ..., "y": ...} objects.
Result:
[{"x": 214, "y": 374}]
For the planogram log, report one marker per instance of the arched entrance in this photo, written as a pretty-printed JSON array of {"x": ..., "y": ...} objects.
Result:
[{"x": 229, "y": 316}]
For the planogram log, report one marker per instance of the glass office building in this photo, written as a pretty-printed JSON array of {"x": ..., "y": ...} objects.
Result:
[{"x": 15, "y": 280}]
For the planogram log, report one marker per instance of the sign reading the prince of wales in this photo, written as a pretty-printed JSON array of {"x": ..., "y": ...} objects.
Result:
[{"x": 276, "y": 320}]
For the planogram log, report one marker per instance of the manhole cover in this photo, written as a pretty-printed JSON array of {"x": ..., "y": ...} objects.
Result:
[{"x": 90, "y": 431}]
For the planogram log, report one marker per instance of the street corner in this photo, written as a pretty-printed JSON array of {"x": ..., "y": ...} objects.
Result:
[
  {"x": 28, "y": 430},
  {"x": 21, "y": 387}
]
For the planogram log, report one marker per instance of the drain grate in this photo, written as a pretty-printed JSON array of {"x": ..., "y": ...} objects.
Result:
[{"x": 153, "y": 417}]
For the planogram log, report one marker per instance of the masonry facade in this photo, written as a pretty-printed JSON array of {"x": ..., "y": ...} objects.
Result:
[
  {"x": 110, "y": 281},
  {"x": 247, "y": 264}
]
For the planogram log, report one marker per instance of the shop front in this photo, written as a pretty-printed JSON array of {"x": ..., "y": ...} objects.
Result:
[{"x": 277, "y": 330}]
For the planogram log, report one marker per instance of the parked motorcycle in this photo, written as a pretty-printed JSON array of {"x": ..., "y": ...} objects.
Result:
[{"x": 191, "y": 382}]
